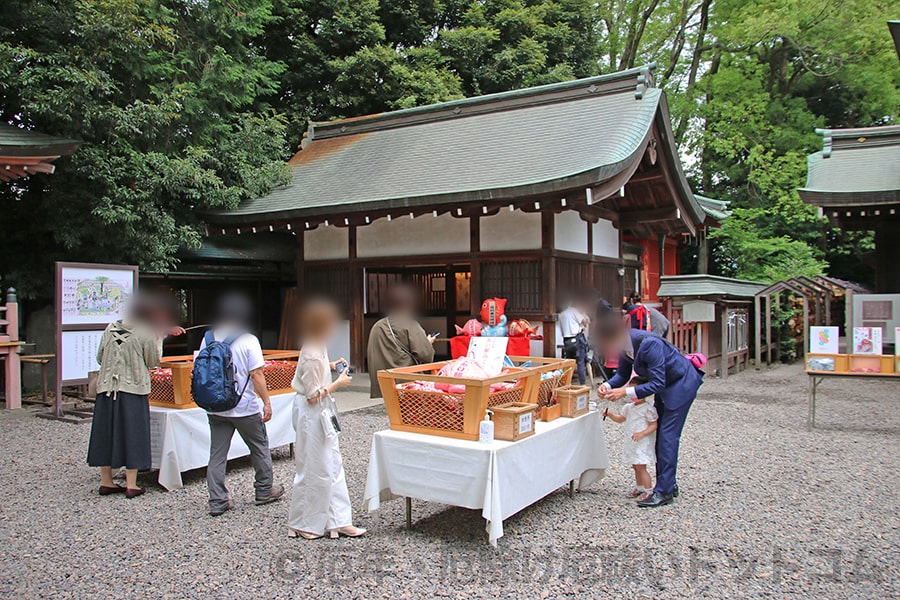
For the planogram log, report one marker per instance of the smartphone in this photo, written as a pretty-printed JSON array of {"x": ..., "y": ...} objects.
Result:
[{"x": 435, "y": 335}]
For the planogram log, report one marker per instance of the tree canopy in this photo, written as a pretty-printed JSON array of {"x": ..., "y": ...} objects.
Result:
[{"x": 186, "y": 105}]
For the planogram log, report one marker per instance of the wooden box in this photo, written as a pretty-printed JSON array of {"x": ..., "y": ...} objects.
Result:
[
  {"x": 551, "y": 413},
  {"x": 455, "y": 414},
  {"x": 837, "y": 363},
  {"x": 513, "y": 421},
  {"x": 871, "y": 363},
  {"x": 574, "y": 400}
]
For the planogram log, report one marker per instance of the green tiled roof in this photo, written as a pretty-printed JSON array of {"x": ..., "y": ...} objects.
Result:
[
  {"x": 15, "y": 141},
  {"x": 682, "y": 286},
  {"x": 856, "y": 166},
  {"x": 716, "y": 209},
  {"x": 544, "y": 140}
]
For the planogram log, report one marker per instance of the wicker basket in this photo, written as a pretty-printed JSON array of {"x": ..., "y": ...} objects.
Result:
[
  {"x": 546, "y": 387},
  {"x": 170, "y": 384},
  {"x": 449, "y": 414}
]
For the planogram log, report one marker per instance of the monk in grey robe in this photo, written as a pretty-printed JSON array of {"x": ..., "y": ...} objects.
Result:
[{"x": 398, "y": 340}]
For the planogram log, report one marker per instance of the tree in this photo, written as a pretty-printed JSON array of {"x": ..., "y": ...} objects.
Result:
[{"x": 165, "y": 96}]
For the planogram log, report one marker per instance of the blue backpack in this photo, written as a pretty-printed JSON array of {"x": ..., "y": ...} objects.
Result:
[{"x": 212, "y": 383}]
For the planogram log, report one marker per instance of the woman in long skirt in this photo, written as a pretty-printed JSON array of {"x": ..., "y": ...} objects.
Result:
[
  {"x": 320, "y": 502},
  {"x": 120, "y": 429}
]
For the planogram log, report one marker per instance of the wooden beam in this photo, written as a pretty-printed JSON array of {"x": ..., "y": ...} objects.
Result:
[
  {"x": 647, "y": 176},
  {"x": 636, "y": 217}
]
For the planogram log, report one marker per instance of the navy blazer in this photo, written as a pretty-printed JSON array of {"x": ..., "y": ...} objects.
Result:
[{"x": 672, "y": 377}]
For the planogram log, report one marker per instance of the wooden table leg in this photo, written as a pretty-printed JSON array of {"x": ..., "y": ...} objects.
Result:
[
  {"x": 572, "y": 489},
  {"x": 44, "y": 382},
  {"x": 408, "y": 513}
]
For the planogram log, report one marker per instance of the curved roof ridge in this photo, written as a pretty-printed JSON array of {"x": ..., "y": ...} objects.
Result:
[{"x": 636, "y": 80}]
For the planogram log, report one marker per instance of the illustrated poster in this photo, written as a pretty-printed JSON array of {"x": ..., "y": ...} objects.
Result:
[
  {"x": 823, "y": 340},
  {"x": 867, "y": 340},
  {"x": 91, "y": 296}
]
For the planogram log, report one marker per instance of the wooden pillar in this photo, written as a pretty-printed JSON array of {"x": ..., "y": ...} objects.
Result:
[
  {"x": 356, "y": 309},
  {"x": 768, "y": 329},
  {"x": 300, "y": 266},
  {"x": 12, "y": 360},
  {"x": 757, "y": 328},
  {"x": 475, "y": 266},
  {"x": 548, "y": 276},
  {"x": 724, "y": 309}
]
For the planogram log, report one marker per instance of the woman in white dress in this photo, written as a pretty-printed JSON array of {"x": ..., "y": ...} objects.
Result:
[
  {"x": 639, "y": 444},
  {"x": 320, "y": 502}
]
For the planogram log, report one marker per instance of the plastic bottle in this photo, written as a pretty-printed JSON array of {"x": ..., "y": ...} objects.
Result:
[{"x": 486, "y": 430}]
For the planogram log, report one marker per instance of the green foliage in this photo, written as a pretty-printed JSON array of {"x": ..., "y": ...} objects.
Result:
[
  {"x": 164, "y": 96},
  {"x": 187, "y": 106},
  {"x": 746, "y": 252}
]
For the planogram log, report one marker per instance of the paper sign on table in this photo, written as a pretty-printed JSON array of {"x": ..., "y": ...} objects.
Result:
[
  {"x": 866, "y": 340},
  {"x": 823, "y": 340},
  {"x": 488, "y": 352}
]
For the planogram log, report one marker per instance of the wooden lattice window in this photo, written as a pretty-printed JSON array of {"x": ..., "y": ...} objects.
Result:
[
  {"x": 518, "y": 281},
  {"x": 332, "y": 282}
]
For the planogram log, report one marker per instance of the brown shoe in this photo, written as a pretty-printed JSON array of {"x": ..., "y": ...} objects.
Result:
[
  {"x": 221, "y": 511},
  {"x": 134, "y": 493},
  {"x": 275, "y": 493},
  {"x": 106, "y": 490}
]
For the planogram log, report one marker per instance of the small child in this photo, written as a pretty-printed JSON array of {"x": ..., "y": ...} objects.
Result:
[{"x": 639, "y": 446}]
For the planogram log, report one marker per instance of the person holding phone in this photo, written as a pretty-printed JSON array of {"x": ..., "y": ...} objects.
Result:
[
  {"x": 398, "y": 340},
  {"x": 320, "y": 503}
]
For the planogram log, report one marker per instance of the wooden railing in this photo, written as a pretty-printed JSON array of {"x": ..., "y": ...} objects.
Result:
[{"x": 684, "y": 333}]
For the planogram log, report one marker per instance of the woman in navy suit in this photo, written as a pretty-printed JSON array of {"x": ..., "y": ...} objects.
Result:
[{"x": 671, "y": 378}]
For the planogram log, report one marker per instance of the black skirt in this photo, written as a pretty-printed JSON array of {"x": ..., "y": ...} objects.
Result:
[{"x": 120, "y": 432}]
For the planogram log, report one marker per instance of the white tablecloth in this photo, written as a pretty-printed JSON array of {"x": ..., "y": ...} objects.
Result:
[
  {"x": 179, "y": 438},
  {"x": 500, "y": 478}
]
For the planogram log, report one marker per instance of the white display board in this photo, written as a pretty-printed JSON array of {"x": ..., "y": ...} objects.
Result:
[{"x": 78, "y": 354}]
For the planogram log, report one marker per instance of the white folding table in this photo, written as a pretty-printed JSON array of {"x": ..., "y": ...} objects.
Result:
[
  {"x": 500, "y": 478},
  {"x": 179, "y": 438}
]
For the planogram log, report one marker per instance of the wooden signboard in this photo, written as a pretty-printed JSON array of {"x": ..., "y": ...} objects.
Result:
[{"x": 88, "y": 298}]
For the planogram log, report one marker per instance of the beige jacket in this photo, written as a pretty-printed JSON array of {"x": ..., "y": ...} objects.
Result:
[{"x": 126, "y": 355}]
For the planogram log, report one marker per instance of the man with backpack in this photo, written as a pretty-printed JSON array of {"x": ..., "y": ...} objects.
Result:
[{"x": 228, "y": 382}]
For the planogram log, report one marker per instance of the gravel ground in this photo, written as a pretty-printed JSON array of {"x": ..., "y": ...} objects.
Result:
[{"x": 768, "y": 509}]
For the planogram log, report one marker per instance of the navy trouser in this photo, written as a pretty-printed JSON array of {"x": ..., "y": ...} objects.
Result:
[
  {"x": 578, "y": 349},
  {"x": 668, "y": 438}
]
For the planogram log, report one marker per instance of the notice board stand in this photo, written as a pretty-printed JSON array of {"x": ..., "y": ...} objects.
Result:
[{"x": 88, "y": 298}]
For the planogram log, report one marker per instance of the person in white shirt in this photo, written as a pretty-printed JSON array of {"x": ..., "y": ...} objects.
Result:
[
  {"x": 248, "y": 418},
  {"x": 572, "y": 324}
]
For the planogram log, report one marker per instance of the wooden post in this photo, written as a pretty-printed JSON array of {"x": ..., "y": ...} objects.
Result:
[
  {"x": 724, "y": 309},
  {"x": 805, "y": 324},
  {"x": 768, "y": 329},
  {"x": 356, "y": 308},
  {"x": 757, "y": 328},
  {"x": 13, "y": 366},
  {"x": 548, "y": 276}
]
